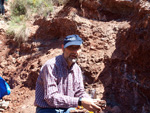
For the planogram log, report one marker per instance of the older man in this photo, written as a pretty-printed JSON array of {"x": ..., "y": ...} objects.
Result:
[{"x": 59, "y": 87}]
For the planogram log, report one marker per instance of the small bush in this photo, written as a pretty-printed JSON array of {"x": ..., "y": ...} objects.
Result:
[{"x": 18, "y": 8}]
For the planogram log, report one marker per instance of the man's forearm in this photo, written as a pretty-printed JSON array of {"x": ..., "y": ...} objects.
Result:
[{"x": 61, "y": 101}]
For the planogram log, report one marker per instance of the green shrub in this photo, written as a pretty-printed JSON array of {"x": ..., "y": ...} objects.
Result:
[{"x": 18, "y": 8}]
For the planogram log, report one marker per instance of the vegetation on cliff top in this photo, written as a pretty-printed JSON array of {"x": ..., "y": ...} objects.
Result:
[{"x": 24, "y": 10}]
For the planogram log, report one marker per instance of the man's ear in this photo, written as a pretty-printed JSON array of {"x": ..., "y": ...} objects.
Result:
[{"x": 62, "y": 46}]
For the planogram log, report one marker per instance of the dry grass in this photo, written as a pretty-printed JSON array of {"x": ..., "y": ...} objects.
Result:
[{"x": 21, "y": 12}]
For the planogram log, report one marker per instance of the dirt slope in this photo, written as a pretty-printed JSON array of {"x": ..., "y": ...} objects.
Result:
[{"x": 114, "y": 60}]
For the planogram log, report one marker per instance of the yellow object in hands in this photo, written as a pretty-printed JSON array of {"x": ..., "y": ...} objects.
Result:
[
  {"x": 81, "y": 107},
  {"x": 91, "y": 112}
]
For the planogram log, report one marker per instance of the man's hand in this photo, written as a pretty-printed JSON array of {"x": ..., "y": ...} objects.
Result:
[
  {"x": 91, "y": 104},
  {"x": 100, "y": 103}
]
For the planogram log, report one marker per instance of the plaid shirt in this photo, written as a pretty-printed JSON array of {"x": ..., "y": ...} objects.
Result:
[{"x": 57, "y": 86}]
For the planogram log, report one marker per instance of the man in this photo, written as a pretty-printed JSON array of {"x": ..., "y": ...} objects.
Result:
[{"x": 59, "y": 87}]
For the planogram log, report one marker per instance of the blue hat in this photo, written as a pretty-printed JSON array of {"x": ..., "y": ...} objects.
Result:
[{"x": 72, "y": 40}]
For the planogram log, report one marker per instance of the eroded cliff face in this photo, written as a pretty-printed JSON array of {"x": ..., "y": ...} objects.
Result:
[
  {"x": 115, "y": 57},
  {"x": 129, "y": 65}
]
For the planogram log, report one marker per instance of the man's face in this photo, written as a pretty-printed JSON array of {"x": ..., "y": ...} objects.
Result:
[{"x": 71, "y": 53}]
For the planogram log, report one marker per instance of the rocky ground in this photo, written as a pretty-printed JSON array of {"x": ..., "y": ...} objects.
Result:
[{"x": 114, "y": 60}]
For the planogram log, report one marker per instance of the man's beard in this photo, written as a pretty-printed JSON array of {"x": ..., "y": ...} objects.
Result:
[{"x": 72, "y": 58}]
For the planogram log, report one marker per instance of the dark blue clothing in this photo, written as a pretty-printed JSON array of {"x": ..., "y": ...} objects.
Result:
[
  {"x": 4, "y": 88},
  {"x": 53, "y": 110},
  {"x": 2, "y": 9}
]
